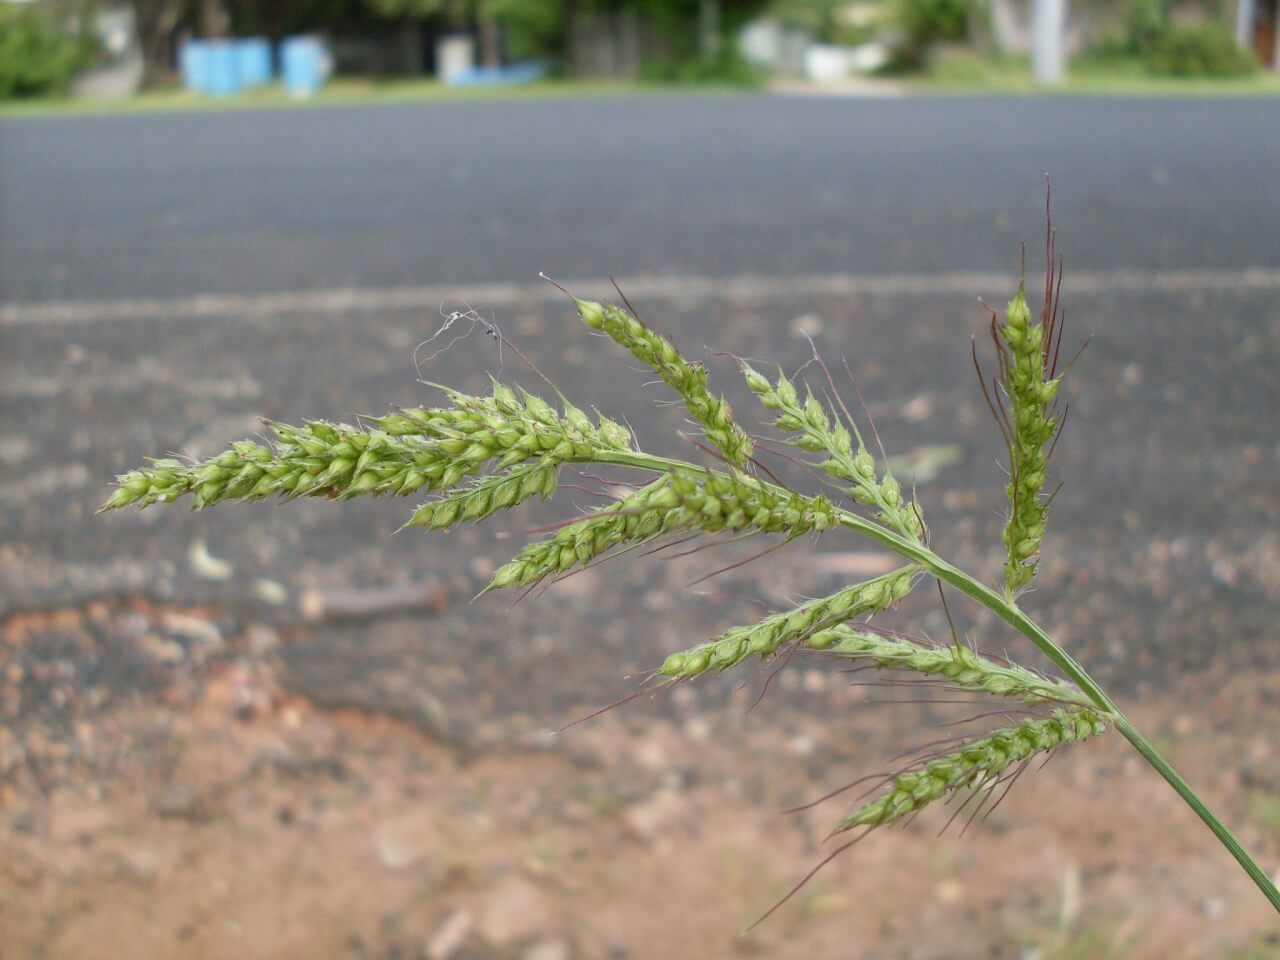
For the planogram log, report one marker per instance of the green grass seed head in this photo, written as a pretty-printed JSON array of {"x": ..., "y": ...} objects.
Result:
[
  {"x": 813, "y": 430},
  {"x": 976, "y": 765},
  {"x": 399, "y": 454},
  {"x": 789, "y": 627},
  {"x": 957, "y": 663},
  {"x": 490, "y": 453},
  {"x": 641, "y": 514},
  {"x": 737, "y": 501},
  {"x": 688, "y": 380},
  {"x": 1027, "y": 354}
]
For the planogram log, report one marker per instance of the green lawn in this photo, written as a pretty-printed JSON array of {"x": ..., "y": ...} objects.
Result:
[
  {"x": 338, "y": 92},
  {"x": 964, "y": 72}
]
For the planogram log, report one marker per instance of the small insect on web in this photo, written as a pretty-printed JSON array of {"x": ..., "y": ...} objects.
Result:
[{"x": 469, "y": 317}]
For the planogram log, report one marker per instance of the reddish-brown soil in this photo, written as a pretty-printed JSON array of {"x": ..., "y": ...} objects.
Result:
[{"x": 282, "y": 830}]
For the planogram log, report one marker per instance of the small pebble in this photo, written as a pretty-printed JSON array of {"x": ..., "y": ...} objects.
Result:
[
  {"x": 195, "y": 629},
  {"x": 949, "y": 891},
  {"x": 450, "y": 936},
  {"x": 547, "y": 950},
  {"x": 270, "y": 592},
  {"x": 815, "y": 681},
  {"x": 802, "y": 745},
  {"x": 917, "y": 408},
  {"x": 516, "y": 910},
  {"x": 206, "y": 565},
  {"x": 261, "y": 639},
  {"x": 698, "y": 729},
  {"x": 179, "y": 801}
]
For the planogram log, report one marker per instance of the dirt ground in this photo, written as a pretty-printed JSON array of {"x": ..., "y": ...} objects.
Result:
[
  {"x": 227, "y": 817},
  {"x": 279, "y": 732}
]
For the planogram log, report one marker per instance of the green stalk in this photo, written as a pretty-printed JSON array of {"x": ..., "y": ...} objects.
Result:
[
  {"x": 1225, "y": 836},
  {"x": 1011, "y": 614}
]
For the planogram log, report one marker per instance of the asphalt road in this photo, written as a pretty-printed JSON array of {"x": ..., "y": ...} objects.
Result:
[
  {"x": 168, "y": 279},
  {"x": 272, "y": 200}
]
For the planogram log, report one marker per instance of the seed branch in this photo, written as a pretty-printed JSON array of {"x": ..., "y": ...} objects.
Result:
[
  {"x": 639, "y": 516},
  {"x": 686, "y": 499},
  {"x": 411, "y": 450},
  {"x": 791, "y": 627},
  {"x": 958, "y": 664},
  {"x": 813, "y": 431},
  {"x": 976, "y": 765},
  {"x": 1027, "y": 356},
  {"x": 487, "y": 495},
  {"x": 689, "y": 380}
]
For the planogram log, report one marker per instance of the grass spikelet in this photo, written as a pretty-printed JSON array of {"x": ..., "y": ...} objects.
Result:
[
  {"x": 791, "y": 627},
  {"x": 704, "y": 501},
  {"x": 641, "y": 515},
  {"x": 689, "y": 380},
  {"x": 958, "y": 664},
  {"x": 419, "y": 449},
  {"x": 1027, "y": 358},
  {"x": 487, "y": 495},
  {"x": 813, "y": 430},
  {"x": 976, "y": 765},
  {"x": 713, "y": 501}
]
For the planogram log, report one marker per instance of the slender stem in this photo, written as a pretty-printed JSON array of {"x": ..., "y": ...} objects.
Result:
[
  {"x": 1228, "y": 840},
  {"x": 1008, "y": 611}
]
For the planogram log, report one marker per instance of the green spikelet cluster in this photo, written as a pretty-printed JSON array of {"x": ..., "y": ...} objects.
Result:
[
  {"x": 1031, "y": 389},
  {"x": 404, "y": 452},
  {"x": 717, "y": 501},
  {"x": 708, "y": 501},
  {"x": 317, "y": 459},
  {"x": 976, "y": 765},
  {"x": 639, "y": 516},
  {"x": 478, "y": 455},
  {"x": 813, "y": 430},
  {"x": 958, "y": 664},
  {"x": 487, "y": 495},
  {"x": 779, "y": 630},
  {"x": 687, "y": 379}
]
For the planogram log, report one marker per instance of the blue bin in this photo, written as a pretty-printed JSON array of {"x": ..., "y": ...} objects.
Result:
[
  {"x": 222, "y": 69},
  {"x": 304, "y": 65},
  {"x": 253, "y": 61},
  {"x": 193, "y": 60},
  {"x": 527, "y": 71},
  {"x": 225, "y": 67}
]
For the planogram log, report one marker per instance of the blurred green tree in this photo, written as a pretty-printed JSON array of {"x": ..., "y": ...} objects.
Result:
[
  {"x": 925, "y": 24},
  {"x": 37, "y": 55}
]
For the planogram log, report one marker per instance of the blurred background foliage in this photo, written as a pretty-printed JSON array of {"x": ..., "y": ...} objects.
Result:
[
  {"x": 44, "y": 43},
  {"x": 40, "y": 50},
  {"x": 1197, "y": 44}
]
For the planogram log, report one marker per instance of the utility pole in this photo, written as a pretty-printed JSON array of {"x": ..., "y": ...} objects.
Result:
[
  {"x": 1049, "y": 41},
  {"x": 1245, "y": 12}
]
